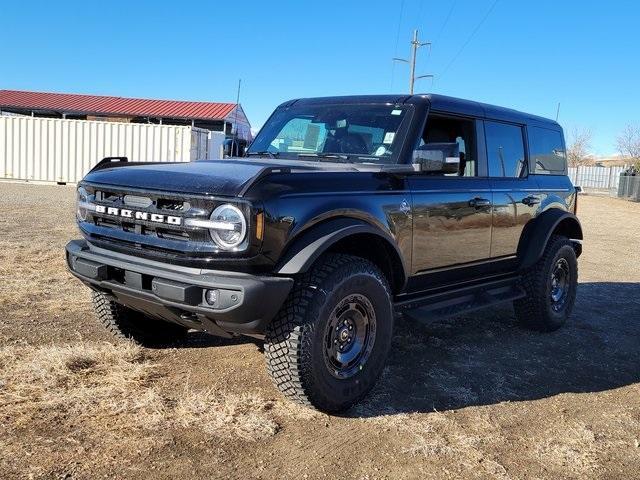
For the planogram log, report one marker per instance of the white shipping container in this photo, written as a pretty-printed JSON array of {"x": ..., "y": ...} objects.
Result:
[
  {"x": 216, "y": 146},
  {"x": 60, "y": 150}
]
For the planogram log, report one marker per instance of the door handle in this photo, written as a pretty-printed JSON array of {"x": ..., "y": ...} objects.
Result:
[
  {"x": 479, "y": 202},
  {"x": 531, "y": 200}
]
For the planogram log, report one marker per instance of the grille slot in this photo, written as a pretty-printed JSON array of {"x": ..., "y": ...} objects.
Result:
[
  {"x": 137, "y": 201},
  {"x": 109, "y": 197},
  {"x": 172, "y": 234},
  {"x": 173, "y": 205},
  {"x": 106, "y": 222}
]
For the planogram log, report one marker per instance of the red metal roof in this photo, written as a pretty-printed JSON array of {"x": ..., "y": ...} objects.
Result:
[{"x": 102, "y": 105}]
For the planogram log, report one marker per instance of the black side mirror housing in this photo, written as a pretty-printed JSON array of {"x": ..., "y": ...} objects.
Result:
[{"x": 437, "y": 158}]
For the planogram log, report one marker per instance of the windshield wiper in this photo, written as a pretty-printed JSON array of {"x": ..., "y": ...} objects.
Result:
[
  {"x": 321, "y": 156},
  {"x": 262, "y": 154}
]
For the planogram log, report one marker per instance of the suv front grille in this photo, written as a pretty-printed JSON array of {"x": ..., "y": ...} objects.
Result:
[{"x": 148, "y": 218}]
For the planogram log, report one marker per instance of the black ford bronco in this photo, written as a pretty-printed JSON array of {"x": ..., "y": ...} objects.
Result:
[{"x": 343, "y": 211}]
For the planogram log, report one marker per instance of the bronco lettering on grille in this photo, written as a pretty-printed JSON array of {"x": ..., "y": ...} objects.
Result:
[{"x": 125, "y": 213}]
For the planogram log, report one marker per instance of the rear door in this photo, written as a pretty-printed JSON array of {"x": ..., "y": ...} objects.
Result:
[
  {"x": 548, "y": 162},
  {"x": 516, "y": 196}
]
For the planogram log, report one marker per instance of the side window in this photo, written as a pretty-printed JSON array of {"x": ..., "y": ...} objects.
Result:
[
  {"x": 457, "y": 135},
  {"x": 546, "y": 151},
  {"x": 505, "y": 150}
]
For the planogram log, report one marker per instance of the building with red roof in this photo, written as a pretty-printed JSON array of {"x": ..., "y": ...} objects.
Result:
[{"x": 223, "y": 117}]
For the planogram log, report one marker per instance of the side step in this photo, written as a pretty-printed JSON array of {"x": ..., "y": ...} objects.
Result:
[{"x": 465, "y": 299}]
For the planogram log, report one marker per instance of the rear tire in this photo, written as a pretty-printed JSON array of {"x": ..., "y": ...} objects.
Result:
[
  {"x": 129, "y": 324},
  {"x": 327, "y": 346},
  {"x": 551, "y": 286}
]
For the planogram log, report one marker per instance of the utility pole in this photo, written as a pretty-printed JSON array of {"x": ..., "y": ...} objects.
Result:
[{"x": 415, "y": 44}]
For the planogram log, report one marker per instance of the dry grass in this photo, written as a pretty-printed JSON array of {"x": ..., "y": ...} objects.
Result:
[
  {"x": 35, "y": 282},
  {"x": 441, "y": 436},
  {"x": 245, "y": 416},
  {"x": 115, "y": 386},
  {"x": 469, "y": 397},
  {"x": 571, "y": 447},
  {"x": 37, "y": 277}
]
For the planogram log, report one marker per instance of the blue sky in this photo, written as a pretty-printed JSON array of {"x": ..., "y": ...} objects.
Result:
[{"x": 525, "y": 55}]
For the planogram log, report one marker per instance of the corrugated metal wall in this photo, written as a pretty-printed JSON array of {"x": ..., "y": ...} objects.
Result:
[
  {"x": 602, "y": 178},
  {"x": 59, "y": 150},
  {"x": 216, "y": 145}
]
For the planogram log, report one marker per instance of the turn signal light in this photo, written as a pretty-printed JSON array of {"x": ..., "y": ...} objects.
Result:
[{"x": 259, "y": 225}]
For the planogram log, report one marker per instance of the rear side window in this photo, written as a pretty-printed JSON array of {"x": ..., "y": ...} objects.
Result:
[
  {"x": 505, "y": 149},
  {"x": 546, "y": 150}
]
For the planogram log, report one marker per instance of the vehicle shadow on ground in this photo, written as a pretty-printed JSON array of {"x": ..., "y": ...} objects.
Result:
[
  {"x": 195, "y": 339},
  {"x": 486, "y": 357}
]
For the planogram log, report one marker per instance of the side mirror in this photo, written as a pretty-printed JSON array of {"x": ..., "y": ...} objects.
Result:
[{"x": 437, "y": 158}]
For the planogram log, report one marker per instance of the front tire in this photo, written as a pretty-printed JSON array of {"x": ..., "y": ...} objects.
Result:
[
  {"x": 551, "y": 286},
  {"x": 124, "y": 323},
  {"x": 328, "y": 345}
]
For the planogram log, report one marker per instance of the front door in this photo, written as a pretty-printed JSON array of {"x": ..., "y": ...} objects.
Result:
[
  {"x": 451, "y": 221},
  {"x": 452, "y": 212}
]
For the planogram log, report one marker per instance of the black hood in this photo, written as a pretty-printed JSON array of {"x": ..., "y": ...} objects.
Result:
[
  {"x": 230, "y": 177},
  {"x": 216, "y": 177}
]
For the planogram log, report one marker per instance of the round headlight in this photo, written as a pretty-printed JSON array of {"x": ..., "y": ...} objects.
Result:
[
  {"x": 82, "y": 198},
  {"x": 232, "y": 226}
]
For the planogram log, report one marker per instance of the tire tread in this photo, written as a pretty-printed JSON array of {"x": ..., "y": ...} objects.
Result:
[
  {"x": 288, "y": 338},
  {"x": 531, "y": 310},
  {"x": 126, "y": 324}
]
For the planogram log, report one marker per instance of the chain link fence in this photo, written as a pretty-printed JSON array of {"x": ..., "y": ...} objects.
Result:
[
  {"x": 621, "y": 182},
  {"x": 628, "y": 188}
]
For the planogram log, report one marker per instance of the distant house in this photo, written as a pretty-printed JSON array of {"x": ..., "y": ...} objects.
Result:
[
  {"x": 215, "y": 116},
  {"x": 611, "y": 161}
]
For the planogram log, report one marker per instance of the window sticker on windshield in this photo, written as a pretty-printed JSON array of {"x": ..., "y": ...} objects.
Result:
[
  {"x": 396, "y": 112},
  {"x": 380, "y": 151},
  {"x": 388, "y": 137}
]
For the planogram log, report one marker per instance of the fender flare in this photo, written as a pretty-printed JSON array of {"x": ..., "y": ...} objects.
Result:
[
  {"x": 537, "y": 232},
  {"x": 313, "y": 242}
]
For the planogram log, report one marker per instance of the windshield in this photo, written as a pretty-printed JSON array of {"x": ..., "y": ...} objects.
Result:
[{"x": 353, "y": 133}]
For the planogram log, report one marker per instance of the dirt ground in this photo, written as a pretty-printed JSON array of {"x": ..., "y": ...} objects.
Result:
[{"x": 473, "y": 396}]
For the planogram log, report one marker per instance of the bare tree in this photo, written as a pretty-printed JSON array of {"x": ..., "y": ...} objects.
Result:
[
  {"x": 579, "y": 147},
  {"x": 628, "y": 142}
]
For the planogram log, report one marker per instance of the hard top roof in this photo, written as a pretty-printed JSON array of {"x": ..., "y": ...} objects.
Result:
[{"x": 438, "y": 103}]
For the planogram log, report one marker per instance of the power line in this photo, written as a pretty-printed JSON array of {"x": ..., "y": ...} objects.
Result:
[
  {"x": 395, "y": 52},
  {"x": 399, "y": 25},
  {"x": 420, "y": 12},
  {"x": 473, "y": 33},
  {"x": 446, "y": 21}
]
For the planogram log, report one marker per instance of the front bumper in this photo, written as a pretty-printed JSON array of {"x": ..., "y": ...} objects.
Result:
[{"x": 246, "y": 303}]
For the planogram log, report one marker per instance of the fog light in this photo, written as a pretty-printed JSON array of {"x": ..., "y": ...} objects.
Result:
[{"x": 211, "y": 296}]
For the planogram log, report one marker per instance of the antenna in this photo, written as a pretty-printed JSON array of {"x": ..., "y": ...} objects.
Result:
[
  {"x": 234, "y": 142},
  {"x": 415, "y": 44},
  {"x": 558, "y": 111}
]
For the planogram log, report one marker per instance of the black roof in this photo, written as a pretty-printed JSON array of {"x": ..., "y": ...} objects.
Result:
[{"x": 437, "y": 103}]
